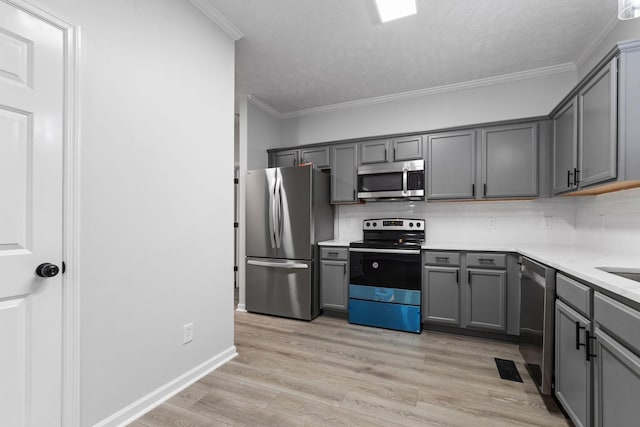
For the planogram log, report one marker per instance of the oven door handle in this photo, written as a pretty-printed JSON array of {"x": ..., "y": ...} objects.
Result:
[{"x": 386, "y": 251}]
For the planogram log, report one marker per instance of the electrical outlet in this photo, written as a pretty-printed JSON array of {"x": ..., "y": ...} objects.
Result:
[
  {"x": 492, "y": 223},
  {"x": 548, "y": 222},
  {"x": 188, "y": 333}
]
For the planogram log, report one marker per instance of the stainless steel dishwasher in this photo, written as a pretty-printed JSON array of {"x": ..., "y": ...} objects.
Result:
[{"x": 537, "y": 298}]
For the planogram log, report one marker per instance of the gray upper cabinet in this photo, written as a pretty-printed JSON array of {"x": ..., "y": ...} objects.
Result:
[
  {"x": 319, "y": 156},
  {"x": 451, "y": 165},
  {"x": 373, "y": 151},
  {"x": 409, "y": 148},
  {"x": 510, "y": 161},
  {"x": 597, "y": 127},
  {"x": 283, "y": 159},
  {"x": 344, "y": 163},
  {"x": 565, "y": 147},
  {"x": 486, "y": 299}
]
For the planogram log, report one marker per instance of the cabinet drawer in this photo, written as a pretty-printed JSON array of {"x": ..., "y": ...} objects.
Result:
[
  {"x": 442, "y": 258},
  {"x": 575, "y": 294},
  {"x": 486, "y": 260},
  {"x": 334, "y": 253},
  {"x": 620, "y": 320}
]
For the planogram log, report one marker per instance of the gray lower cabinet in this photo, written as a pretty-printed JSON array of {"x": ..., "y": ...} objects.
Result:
[
  {"x": 344, "y": 164},
  {"x": 617, "y": 383},
  {"x": 486, "y": 302},
  {"x": 616, "y": 360},
  {"x": 441, "y": 295},
  {"x": 334, "y": 278},
  {"x": 467, "y": 290},
  {"x": 319, "y": 156},
  {"x": 283, "y": 159},
  {"x": 572, "y": 370},
  {"x": 451, "y": 165},
  {"x": 509, "y": 166}
]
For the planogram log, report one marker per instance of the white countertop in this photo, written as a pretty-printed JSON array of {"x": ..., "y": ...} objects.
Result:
[
  {"x": 572, "y": 260},
  {"x": 335, "y": 242}
]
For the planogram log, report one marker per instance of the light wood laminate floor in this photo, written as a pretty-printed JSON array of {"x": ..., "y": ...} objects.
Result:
[{"x": 329, "y": 372}]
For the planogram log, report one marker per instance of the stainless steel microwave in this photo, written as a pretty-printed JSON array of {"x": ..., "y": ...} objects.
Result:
[{"x": 392, "y": 181}]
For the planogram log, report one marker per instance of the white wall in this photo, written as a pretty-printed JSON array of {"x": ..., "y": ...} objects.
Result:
[
  {"x": 622, "y": 30},
  {"x": 263, "y": 132},
  {"x": 156, "y": 109},
  {"x": 511, "y": 100}
]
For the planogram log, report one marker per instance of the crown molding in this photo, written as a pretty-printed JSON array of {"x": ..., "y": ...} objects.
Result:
[
  {"x": 591, "y": 47},
  {"x": 264, "y": 106},
  {"x": 472, "y": 84},
  {"x": 218, "y": 18}
]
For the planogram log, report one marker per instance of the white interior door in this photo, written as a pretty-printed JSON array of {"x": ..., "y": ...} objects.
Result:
[{"x": 31, "y": 136}]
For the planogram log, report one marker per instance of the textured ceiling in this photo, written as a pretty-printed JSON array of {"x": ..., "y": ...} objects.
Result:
[{"x": 300, "y": 54}]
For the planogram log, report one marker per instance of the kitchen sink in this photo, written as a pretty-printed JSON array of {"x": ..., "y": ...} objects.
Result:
[{"x": 627, "y": 273}]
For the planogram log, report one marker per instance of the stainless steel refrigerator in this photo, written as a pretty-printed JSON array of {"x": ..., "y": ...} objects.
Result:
[{"x": 288, "y": 211}]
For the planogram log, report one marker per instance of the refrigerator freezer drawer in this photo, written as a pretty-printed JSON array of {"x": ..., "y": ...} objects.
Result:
[
  {"x": 282, "y": 288},
  {"x": 383, "y": 315}
]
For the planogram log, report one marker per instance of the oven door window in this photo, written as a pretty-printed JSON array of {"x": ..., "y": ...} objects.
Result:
[
  {"x": 388, "y": 181},
  {"x": 386, "y": 270}
]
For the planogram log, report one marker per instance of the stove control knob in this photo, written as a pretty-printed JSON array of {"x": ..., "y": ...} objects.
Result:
[
  {"x": 368, "y": 224},
  {"x": 418, "y": 224},
  {"x": 410, "y": 224},
  {"x": 375, "y": 224}
]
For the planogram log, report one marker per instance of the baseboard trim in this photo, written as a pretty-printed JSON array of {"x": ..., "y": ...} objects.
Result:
[
  {"x": 241, "y": 307},
  {"x": 143, "y": 405}
]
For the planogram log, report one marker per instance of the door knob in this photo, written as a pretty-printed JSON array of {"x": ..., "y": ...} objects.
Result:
[{"x": 47, "y": 270}]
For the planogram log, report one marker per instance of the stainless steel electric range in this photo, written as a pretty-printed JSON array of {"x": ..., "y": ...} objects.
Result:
[{"x": 385, "y": 274}]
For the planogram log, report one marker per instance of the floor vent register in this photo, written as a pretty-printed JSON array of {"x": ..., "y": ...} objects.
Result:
[{"x": 508, "y": 370}]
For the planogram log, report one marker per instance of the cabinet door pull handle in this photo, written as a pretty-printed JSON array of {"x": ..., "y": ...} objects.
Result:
[
  {"x": 344, "y": 269},
  {"x": 578, "y": 343},
  {"x": 569, "y": 174},
  {"x": 457, "y": 276},
  {"x": 485, "y": 189},
  {"x": 587, "y": 339},
  {"x": 442, "y": 259},
  {"x": 486, "y": 261},
  {"x": 575, "y": 176},
  {"x": 473, "y": 190},
  {"x": 468, "y": 277}
]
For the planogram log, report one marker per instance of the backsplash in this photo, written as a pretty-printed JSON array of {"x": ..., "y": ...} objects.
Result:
[
  {"x": 508, "y": 222},
  {"x": 609, "y": 222}
]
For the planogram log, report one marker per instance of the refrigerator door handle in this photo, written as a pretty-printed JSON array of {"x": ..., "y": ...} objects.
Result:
[
  {"x": 272, "y": 205},
  {"x": 278, "y": 209},
  {"x": 275, "y": 264}
]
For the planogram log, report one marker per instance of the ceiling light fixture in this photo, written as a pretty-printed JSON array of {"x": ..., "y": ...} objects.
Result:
[
  {"x": 628, "y": 9},
  {"x": 388, "y": 10}
]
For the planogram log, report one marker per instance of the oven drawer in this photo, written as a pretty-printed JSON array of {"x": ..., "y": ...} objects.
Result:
[
  {"x": 400, "y": 317},
  {"x": 389, "y": 295},
  {"x": 442, "y": 258},
  {"x": 486, "y": 260}
]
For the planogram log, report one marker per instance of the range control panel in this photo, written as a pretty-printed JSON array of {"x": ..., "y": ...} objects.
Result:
[{"x": 393, "y": 224}]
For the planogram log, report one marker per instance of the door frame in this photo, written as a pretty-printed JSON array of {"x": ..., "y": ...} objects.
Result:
[{"x": 70, "y": 206}]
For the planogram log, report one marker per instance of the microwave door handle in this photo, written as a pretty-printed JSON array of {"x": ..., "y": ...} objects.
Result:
[{"x": 404, "y": 181}]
